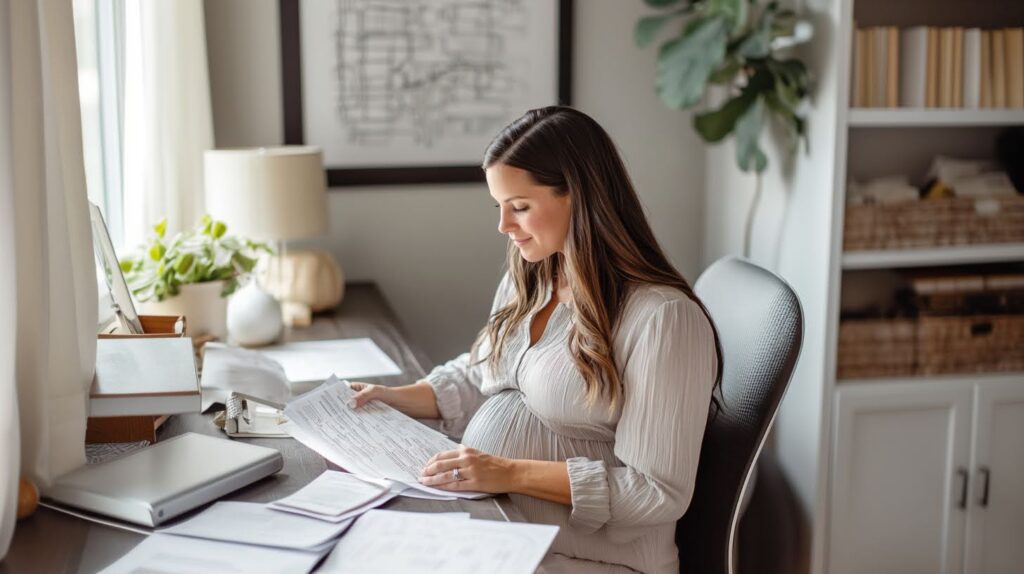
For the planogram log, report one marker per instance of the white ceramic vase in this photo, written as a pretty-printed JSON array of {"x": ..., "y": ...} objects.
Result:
[
  {"x": 254, "y": 316},
  {"x": 204, "y": 309}
]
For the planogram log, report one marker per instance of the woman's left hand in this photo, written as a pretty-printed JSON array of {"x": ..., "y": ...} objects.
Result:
[{"x": 478, "y": 471}]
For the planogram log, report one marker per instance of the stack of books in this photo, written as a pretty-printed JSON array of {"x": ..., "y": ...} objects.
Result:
[{"x": 928, "y": 67}]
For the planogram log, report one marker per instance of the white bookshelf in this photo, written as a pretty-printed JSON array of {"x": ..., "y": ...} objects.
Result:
[
  {"x": 911, "y": 117},
  {"x": 806, "y": 210},
  {"x": 933, "y": 256}
]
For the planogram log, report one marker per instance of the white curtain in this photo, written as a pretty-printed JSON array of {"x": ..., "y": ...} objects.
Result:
[
  {"x": 46, "y": 251},
  {"x": 168, "y": 122}
]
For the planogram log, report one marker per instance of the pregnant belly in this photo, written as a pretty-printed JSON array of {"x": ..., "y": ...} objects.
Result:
[{"x": 505, "y": 426}]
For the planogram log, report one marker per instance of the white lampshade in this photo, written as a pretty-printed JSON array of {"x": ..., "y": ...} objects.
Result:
[{"x": 267, "y": 193}]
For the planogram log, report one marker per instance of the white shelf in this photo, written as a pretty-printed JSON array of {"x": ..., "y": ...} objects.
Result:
[
  {"x": 946, "y": 255},
  {"x": 926, "y": 379},
  {"x": 913, "y": 117}
]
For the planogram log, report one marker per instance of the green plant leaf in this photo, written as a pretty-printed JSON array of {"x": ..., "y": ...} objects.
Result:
[
  {"x": 748, "y": 130},
  {"x": 126, "y": 265},
  {"x": 726, "y": 75},
  {"x": 219, "y": 229},
  {"x": 156, "y": 252},
  {"x": 684, "y": 64},
  {"x": 733, "y": 11},
  {"x": 161, "y": 228},
  {"x": 715, "y": 125},
  {"x": 647, "y": 27},
  {"x": 184, "y": 263},
  {"x": 665, "y": 3}
]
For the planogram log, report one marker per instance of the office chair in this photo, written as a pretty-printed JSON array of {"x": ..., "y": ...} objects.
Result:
[{"x": 760, "y": 325}]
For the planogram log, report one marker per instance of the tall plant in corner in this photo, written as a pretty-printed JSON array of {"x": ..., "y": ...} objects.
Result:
[{"x": 736, "y": 44}]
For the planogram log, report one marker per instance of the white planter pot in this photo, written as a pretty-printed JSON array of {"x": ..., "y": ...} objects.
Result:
[{"x": 205, "y": 311}]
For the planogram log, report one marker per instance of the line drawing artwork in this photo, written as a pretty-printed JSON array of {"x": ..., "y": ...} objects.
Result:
[{"x": 423, "y": 73}]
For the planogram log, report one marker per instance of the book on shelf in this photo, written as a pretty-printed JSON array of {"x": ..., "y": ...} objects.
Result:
[
  {"x": 1014, "y": 43},
  {"x": 985, "y": 90},
  {"x": 913, "y": 67},
  {"x": 971, "y": 85},
  {"x": 932, "y": 94},
  {"x": 998, "y": 69},
  {"x": 857, "y": 68},
  {"x": 937, "y": 67},
  {"x": 892, "y": 67},
  {"x": 947, "y": 66}
]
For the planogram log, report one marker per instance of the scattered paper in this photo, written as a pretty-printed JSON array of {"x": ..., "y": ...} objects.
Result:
[
  {"x": 335, "y": 493},
  {"x": 374, "y": 441},
  {"x": 168, "y": 554},
  {"x": 233, "y": 369},
  {"x": 252, "y": 523},
  {"x": 384, "y": 541},
  {"x": 315, "y": 361}
]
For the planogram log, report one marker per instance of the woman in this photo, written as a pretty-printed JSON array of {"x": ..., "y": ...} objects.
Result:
[{"x": 587, "y": 392}]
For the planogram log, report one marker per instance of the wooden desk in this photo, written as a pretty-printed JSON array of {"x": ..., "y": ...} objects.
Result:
[{"x": 51, "y": 541}]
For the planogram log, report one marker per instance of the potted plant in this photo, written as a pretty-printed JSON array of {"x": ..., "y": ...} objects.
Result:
[
  {"x": 191, "y": 274},
  {"x": 742, "y": 47}
]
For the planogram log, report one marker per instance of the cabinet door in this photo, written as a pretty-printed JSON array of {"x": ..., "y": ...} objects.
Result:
[
  {"x": 899, "y": 477},
  {"x": 995, "y": 531}
]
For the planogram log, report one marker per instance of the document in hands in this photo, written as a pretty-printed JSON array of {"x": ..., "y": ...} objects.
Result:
[
  {"x": 385, "y": 541},
  {"x": 374, "y": 441}
]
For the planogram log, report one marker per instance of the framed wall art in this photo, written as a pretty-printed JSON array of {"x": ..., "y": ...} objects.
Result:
[{"x": 412, "y": 91}]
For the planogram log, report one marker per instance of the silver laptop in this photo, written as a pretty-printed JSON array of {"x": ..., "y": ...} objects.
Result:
[{"x": 154, "y": 484}]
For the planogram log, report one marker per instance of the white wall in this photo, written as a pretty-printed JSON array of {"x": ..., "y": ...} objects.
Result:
[{"x": 434, "y": 250}]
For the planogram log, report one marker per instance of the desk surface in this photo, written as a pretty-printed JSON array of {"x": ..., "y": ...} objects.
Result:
[{"x": 50, "y": 541}]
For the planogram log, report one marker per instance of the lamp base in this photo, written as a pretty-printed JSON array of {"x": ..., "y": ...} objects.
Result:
[{"x": 254, "y": 316}]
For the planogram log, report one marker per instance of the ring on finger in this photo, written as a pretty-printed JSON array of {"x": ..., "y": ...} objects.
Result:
[{"x": 456, "y": 474}]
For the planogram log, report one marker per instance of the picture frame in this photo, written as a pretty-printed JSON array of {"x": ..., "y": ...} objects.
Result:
[
  {"x": 110, "y": 268},
  {"x": 418, "y": 103}
]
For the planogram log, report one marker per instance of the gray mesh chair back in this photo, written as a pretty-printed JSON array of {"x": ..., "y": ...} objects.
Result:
[{"x": 760, "y": 325}]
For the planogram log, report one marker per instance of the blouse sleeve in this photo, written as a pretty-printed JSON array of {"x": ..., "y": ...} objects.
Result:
[
  {"x": 457, "y": 383},
  {"x": 668, "y": 379}
]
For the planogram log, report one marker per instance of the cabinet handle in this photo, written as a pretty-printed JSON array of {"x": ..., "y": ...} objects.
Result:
[
  {"x": 962, "y": 500},
  {"x": 985, "y": 473}
]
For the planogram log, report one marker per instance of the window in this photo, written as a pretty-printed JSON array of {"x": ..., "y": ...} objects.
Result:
[{"x": 99, "y": 42}]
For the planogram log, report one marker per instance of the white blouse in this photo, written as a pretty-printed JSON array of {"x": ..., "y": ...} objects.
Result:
[{"x": 632, "y": 470}]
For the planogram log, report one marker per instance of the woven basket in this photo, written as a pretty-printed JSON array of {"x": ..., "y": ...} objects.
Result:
[
  {"x": 932, "y": 223},
  {"x": 876, "y": 348},
  {"x": 970, "y": 344}
]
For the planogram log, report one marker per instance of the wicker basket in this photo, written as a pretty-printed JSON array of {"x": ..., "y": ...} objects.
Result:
[
  {"x": 932, "y": 223},
  {"x": 876, "y": 348},
  {"x": 970, "y": 344}
]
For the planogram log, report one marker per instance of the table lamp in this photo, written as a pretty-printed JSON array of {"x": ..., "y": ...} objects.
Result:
[{"x": 273, "y": 194}]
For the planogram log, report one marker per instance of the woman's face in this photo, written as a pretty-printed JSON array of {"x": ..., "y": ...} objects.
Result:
[{"x": 533, "y": 216}]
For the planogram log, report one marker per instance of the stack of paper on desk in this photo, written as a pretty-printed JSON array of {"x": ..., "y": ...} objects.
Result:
[
  {"x": 308, "y": 363},
  {"x": 384, "y": 541},
  {"x": 337, "y": 496},
  {"x": 168, "y": 554},
  {"x": 374, "y": 441},
  {"x": 235, "y": 537}
]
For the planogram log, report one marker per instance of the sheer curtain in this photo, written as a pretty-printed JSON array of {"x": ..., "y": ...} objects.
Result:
[
  {"x": 168, "y": 122},
  {"x": 48, "y": 290}
]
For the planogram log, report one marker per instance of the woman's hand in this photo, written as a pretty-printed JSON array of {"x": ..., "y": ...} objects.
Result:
[
  {"x": 478, "y": 471},
  {"x": 365, "y": 392},
  {"x": 417, "y": 401}
]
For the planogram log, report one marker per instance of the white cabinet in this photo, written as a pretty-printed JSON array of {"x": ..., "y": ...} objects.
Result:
[
  {"x": 900, "y": 465},
  {"x": 928, "y": 476},
  {"x": 995, "y": 532}
]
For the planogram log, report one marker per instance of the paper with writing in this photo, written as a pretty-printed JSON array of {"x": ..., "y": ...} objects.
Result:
[
  {"x": 384, "y": 541},
  {"x": 374, "y": 441}
]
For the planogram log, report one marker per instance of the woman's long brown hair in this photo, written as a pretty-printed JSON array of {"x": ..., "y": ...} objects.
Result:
[{"x": 610, "y": 247}]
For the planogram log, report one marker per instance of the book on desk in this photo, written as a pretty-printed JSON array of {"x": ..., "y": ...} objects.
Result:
[{"x": 140, "y": 380}]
